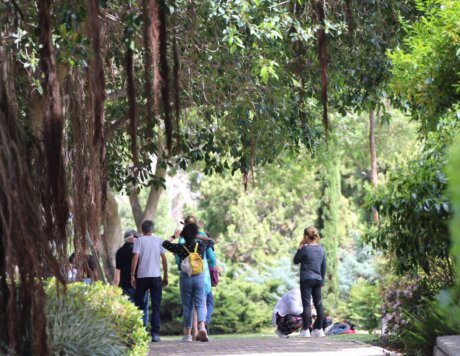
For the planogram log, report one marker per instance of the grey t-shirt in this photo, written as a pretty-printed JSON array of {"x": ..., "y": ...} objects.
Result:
[
  {"x": 149, "y": 249},
  {"x": 312, "y": 259}
]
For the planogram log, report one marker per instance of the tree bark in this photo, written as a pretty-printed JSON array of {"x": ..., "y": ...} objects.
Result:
[
  {"x": 136, "y": 208},
  {"x": 373, "y": 153},
  {"x": 148, "y": 212},
  {"x": 112, "y": 238},
  {"x": 154, "y": 197}
]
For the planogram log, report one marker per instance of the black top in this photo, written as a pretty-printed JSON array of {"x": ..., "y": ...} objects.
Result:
[
  {"x": 180, "y": 251},
  {"x": 312, "y": 261},
  {"x": 123, "y": 263}
]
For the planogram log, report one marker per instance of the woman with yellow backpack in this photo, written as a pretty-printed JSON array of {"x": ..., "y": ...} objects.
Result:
[{"x": 191, "y": 279}]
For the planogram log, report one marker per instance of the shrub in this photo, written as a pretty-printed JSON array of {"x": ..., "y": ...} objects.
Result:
[
  {"x": 75, "y": 330},
  {"x": 425, "y": 326},
  {"x": 363, "y": 306},
  {"x": 101, "y": 307}
]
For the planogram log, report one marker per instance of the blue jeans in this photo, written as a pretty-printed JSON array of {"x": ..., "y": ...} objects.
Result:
[
  {"x": 156, "y": 292},
  {"x": 209, "y": 306},
  {"x": 130, "y": 292},
  {"x": 192, "y": 294}
]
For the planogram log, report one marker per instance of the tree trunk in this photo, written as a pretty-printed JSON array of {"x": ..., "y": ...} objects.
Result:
[
  {"x": 136, "y": 208},
  {"x": 112, "y": 238},
  {"x": 153, "y": 199},
  {"x": 373, "y": 152},
  {"x": 151, "y": 206}
]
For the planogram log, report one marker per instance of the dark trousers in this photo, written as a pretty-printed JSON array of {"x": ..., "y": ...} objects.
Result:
[
  {"x": 131, "y": 292},
  {"x": 311, "y": 288},
  {"x": 154, "y": 284}
]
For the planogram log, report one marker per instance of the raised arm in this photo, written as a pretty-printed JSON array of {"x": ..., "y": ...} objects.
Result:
[
  {"x": 298, "y": 256},
  {"x": 174, "y": 248}
]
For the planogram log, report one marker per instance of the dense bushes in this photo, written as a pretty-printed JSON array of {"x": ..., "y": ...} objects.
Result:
[
  {"x": 94, "y": 320},
  {"x": 241, "y": 304},
  {"x": 431, "y": 321},
  {"x": 414, "y": 207},
  {"x": 363, "y": 305}
]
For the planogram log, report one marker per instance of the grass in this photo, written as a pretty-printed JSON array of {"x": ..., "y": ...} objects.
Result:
[{"x": 361, "y": 337}]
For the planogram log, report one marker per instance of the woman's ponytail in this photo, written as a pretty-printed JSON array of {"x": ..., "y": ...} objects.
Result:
[{"x": 310, "y": 234}]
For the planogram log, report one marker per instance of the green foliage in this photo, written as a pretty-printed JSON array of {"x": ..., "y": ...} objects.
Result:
[
  {"x": 242, "y": 306},
  {"x": 414, "y": 208},
  {"x": 266, "y": 222},
  {"x": 426, "y": 325},
  {"x": 449, "y": 299},
  {"x": 454, "y": 191},
  {"x": 354, "y": 264},
  {"x": 363, "y": 305},
  {"x": 109, "y": 320},
  {"x": 426, "y": 71},
  {"x": 328, "y": 220}
]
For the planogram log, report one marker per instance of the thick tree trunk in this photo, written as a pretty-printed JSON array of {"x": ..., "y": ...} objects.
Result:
[
  {"x": 112, "y": 238},
  {"x": 136, "y": 208},
  {"x": 373, "y": 153},
  {"x": 151, "y": 205}
]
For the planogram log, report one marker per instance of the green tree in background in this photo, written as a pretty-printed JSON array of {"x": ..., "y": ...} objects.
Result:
[{"x": 328, "y": 219}]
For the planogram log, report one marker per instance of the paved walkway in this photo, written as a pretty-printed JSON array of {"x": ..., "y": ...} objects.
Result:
[{"x": 293, "y": 346}]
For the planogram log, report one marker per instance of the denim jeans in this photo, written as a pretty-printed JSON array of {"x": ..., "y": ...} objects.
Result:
[
  {"x": 311, "y": 288},
  {"x": 155, "y": 286},
  {"x": 130, "y": 292},
  {"x": 209, "y": 306},
  {"x": 192, "y": 294}
]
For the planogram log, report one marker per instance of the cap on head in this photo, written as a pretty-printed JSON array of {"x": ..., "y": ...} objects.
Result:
[{"x": 130, "y": 234}]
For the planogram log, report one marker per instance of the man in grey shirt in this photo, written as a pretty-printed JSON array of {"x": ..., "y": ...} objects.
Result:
[{"x": 147, "y": 252}]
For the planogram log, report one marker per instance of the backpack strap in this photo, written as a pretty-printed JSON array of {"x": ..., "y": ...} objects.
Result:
[
  {"x": 196, "y": 247},
  {"x": 186, "y": 249}
]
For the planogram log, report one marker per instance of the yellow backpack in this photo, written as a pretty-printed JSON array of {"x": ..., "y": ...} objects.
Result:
[{"x": 194, "y": 260}]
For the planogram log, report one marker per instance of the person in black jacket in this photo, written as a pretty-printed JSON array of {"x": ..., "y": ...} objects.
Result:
[
  {"x": 312, "y": 259},
  {"x": 122, "y": 277}
]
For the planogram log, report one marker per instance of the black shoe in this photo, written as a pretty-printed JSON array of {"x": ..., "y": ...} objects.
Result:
[{"x": 155, "y": 338}]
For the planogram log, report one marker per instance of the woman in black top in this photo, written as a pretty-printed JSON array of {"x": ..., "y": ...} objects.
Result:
[
  {"x": 312, "y": 259},
  {"x": 192, "y": 291}
]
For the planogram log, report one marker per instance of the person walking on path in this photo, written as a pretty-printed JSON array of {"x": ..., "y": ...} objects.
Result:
[
  {"x": 192, "y": 288},
  {"x": 312, "y": 259},
  {"x": 147, "y": 252},
  {"x": 122, "y": 277},
  {"x": 209, "y": 260}
]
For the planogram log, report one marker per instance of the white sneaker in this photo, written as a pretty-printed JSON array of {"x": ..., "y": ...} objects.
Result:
[
  {"x": 281, "y": 335},
  {"x": 304, "y": 333},
  {"x": 317, "y": 333},
  {"x": 187, "y": 338}
]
